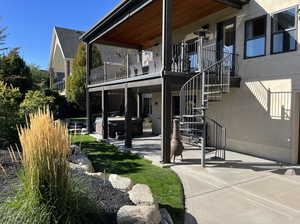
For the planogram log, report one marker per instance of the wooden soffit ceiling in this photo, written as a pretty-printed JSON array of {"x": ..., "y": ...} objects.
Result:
[{"x": 140, "y": 29}]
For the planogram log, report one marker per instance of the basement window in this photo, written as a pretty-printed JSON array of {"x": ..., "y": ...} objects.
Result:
[
  {"x": 255, "y": 37},
  {"x": 284, "y": 31}
]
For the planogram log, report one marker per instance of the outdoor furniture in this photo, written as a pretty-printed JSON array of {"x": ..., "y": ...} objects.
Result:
[{"x": 116, "y": 125}]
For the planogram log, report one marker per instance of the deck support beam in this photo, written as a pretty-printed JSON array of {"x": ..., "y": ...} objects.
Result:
[
  {"x": 166, "y": 117},
  {"x": 88, "y": 65},
  {"x": 128, "y": 117},
  {"x": 104, "y": 105},
  {"x": 139, "y": 101},
  {"x": 166, "y": 120}
]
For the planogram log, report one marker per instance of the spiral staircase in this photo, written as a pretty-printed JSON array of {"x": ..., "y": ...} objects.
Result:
[{"x": 208, "y": 84}]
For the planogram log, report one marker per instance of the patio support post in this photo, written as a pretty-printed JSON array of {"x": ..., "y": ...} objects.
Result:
[
  {"x": 128, "y": 116},
  {"x": 88, "y": 64},
  {"x": 166, "y": 118},
  {"x": 139, "y": 99},
  {"x": 104, "y": 104}
]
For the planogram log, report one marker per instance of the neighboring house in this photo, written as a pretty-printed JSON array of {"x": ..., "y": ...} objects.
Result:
[
  {"x": 64, "y": 47},
  {"x": 63, "y": 50},
  {"x": 228, "y": 68}
]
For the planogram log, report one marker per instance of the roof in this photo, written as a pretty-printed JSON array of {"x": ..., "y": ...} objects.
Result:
[
  {"x": 123, "y": 9},
  {"x": 105, "y": 17},
  {"x": 69, "y": 40}
]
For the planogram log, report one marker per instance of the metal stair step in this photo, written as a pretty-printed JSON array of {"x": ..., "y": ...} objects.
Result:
[
  {"x": 190, "y": 122},
  {"x": 213, "y": 92},
  {"x": 214, "y": 85},
  {"x": 192, "y": 115},
  {"x": 199, "y": 108},
  {"x": 191, "y": 130}
]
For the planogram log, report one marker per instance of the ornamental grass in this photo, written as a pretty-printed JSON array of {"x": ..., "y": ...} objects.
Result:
[
  {"x": 45, "y": 150},
  {"x": 47, "y": 193}
]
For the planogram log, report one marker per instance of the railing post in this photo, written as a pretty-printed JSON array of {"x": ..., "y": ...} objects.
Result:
[
  {"x": 182, "y": 58},
  {"x": 127, "y": 65},
  {"x": 204, "y": 118},
  {"x": 203, "y": 140},
  {"x": 105, "y": 72},
  {"x": 269, "y": 102},
  {"x": 200, "y": 53}
]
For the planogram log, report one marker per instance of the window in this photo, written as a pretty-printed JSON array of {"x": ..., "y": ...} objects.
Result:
[
  {"x": 284, "y": 31},
  {"x": 255, "y": 37}
]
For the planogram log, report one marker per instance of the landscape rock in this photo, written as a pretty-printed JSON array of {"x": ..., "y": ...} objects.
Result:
[
  {"x": 97, "y": 175},
  {"x": 165, "y": 217},
  {"x": 75, "y": 149},
  {"x": 83, "y": 161},
  {"x": 141, "y": 194},
  {"x": 138, "y": 215},
  {"x": 77, "y": 169},
  {"x": 120, "y": 183}
]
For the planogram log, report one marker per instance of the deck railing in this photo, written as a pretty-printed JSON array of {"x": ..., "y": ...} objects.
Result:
[
  {"x": 59, "y": 85},
  {"x": 185, "y": 59}
]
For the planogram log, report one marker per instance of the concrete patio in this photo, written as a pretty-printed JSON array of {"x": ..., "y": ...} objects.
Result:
[{"x": 242, "y": 190}]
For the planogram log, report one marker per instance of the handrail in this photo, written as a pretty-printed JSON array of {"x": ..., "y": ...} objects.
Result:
[{"x": 199, "y": 73}]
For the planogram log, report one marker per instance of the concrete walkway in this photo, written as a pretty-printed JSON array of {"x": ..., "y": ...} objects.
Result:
[{"x": 241, "y": 190}]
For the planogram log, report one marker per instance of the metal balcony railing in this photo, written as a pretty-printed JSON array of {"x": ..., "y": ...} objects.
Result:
[
  {"x": 59, "y": 85},
  {"x": 186, "y": 58}
]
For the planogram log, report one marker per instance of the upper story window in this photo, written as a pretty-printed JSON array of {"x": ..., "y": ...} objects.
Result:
[
  {"x": 284, "y": 31},
  {"x": 255, "y": 37}
]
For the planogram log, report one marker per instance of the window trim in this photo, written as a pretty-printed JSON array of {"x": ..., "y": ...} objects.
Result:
[
  {"x": 287, "y": 30},
  {"x": 265, "y": 36}
]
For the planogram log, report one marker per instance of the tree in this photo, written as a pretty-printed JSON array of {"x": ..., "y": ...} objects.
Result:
[
  {"x": 9, "y": 114},
  {"x": 2, "y": 38},
  {"x": 76, "y": 88},
  {"x": 35, "y": 100},
  {"x": 40, "y": 78},
  {"x": 14, "y": 71}
]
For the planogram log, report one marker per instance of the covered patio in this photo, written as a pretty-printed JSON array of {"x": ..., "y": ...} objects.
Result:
[{"x": 242, "y": 189}]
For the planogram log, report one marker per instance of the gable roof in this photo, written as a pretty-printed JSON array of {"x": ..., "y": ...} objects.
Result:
[{"x": 69, "y": 40}]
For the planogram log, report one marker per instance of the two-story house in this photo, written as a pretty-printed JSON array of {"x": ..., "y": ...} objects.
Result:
[{"x": 229, "y": 69}]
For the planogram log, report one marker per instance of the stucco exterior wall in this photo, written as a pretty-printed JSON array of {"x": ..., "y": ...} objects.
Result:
[{"x": 254, "y": 124}]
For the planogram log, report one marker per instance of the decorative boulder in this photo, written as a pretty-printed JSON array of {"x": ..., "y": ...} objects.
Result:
[
  {"x": 120, "y": 183},
  {"x": 75, "y": 149},
  {"x": 141, "y": 194},
  {"x": 138, "y": 215},
  {"x": 97, "y": 175},
  {"x": 83, "y": 161},
  {"x": 77, "y": 169}
]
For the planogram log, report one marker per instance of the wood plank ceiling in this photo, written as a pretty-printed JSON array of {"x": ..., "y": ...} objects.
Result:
[{"x": 144, "y": 26}]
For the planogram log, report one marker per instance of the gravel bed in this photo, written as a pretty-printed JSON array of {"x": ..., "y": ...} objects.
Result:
[{"x": 8, "y": 179}]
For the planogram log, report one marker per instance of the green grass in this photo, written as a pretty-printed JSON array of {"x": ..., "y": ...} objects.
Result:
[
  {"x": 78, "y": 118},
  {"x": 164, "y": 183}
]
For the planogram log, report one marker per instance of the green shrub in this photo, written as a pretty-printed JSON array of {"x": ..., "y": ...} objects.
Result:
[
  {"x": 9, "y": 114},
  {"x": 75, "y": 88},
  {"x": 35, "y": 100}
]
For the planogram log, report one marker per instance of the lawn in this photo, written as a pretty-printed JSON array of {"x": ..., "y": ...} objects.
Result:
[
  {"x": 164, "y": 183},
  {"x": 78, "y": 118}
]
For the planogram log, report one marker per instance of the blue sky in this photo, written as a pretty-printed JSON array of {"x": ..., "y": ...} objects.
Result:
[{"x": 30, "y": 23}]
